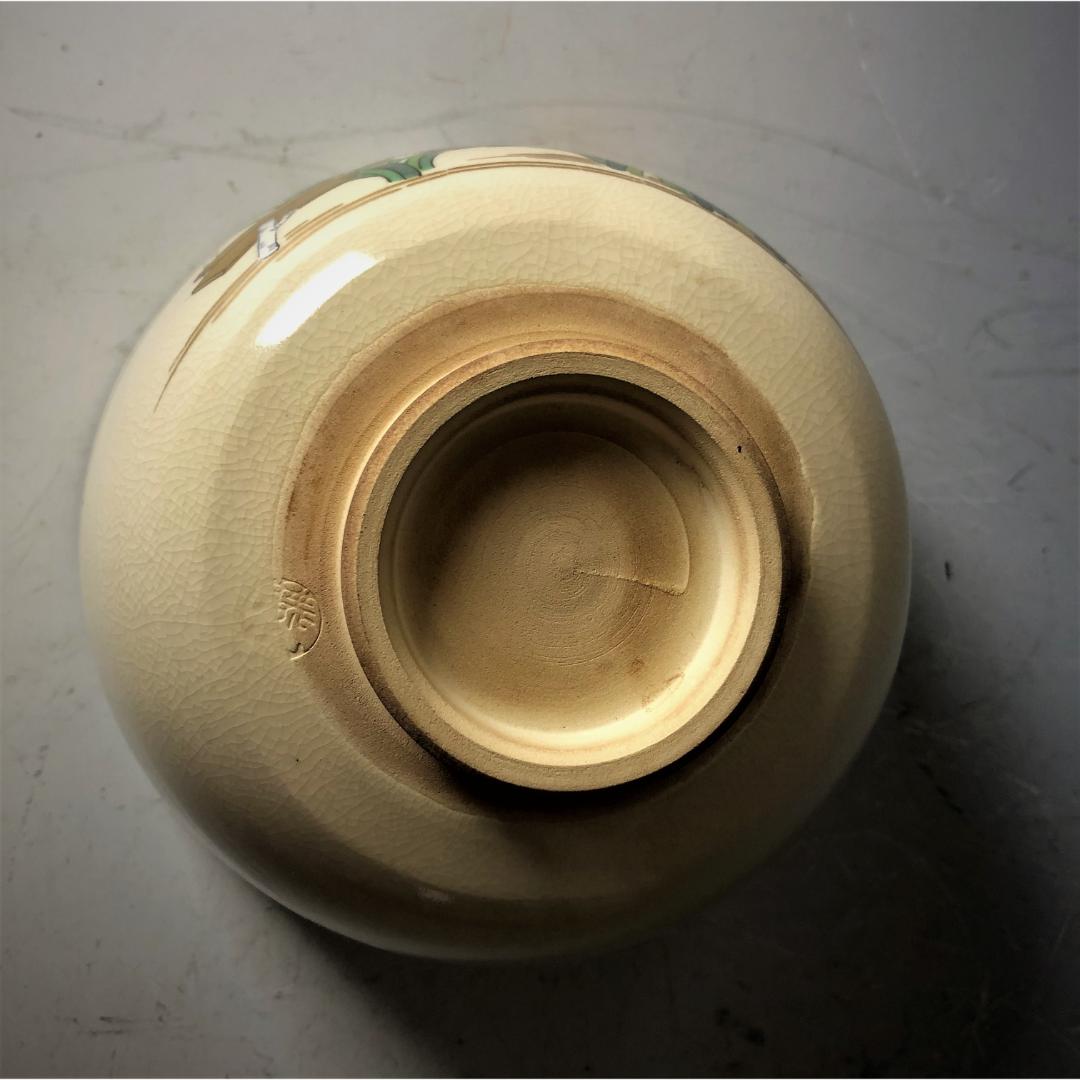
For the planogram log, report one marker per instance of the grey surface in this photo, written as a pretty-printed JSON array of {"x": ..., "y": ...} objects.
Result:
[{"x": 920, "y": 166}]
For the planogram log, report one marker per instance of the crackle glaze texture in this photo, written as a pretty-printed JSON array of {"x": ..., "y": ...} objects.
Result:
[{"x": 231, "y": 570}]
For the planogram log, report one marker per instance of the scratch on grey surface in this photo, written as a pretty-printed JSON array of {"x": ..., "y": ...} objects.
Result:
[
  {"x": 143, "y": 134},
  {"x": 1024, "y": 785},
  {"x": 83, "y": 169},
  {"x": 1023, "y": 432},
  {"x": 670, "y": 590},
  {"x": 269, "y": 1063},
  {"x": 1054, "y": 1030},
  {"x": 901, "y": 142},
  {"x": 954, "y": 498},
  {"x": 35, "y": 779},
  {"x": 916, "y": 858},
  {"x": 1019, "y": 474},
  {"x": 669, "y": 981},
  {"x": 140, "y": 294},
  {"x": 1066, "y": 341},
  {"x": 930, "y": 731},
  {"x": 954, "y": 269},
  {"x": 978, "y": 1021},
  {"x": 765, "y": 942},
  {"x": 508, "y": 23},
  {"x": 35, "y": 502},
  {"x": 709, "y": 115},
  {"x": 440, "y": 121},
  {"x": 1033, "y": 373},
  {"x": 872, "y": 312},
  {"x": 989, "y": 325},
  {"x": 1066, "y": 925}
]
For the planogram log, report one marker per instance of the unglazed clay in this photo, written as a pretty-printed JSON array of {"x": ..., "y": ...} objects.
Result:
[{"x": 495, "y": 551}]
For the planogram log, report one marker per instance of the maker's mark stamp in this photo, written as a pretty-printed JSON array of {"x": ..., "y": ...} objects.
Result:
[{"x": 298, "y": 612}]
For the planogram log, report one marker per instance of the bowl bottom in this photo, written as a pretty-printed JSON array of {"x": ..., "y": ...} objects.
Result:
[{"x": 562, "y": 568}]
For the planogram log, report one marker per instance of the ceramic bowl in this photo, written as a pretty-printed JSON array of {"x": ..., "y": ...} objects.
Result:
[{"x": 495, "y": 551}]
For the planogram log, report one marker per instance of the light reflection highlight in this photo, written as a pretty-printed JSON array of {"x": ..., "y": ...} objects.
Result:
[{"x": 311, "y": 296}]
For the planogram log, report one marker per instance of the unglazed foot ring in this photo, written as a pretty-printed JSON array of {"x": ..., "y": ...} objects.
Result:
[{"x": 568, "y": 566}]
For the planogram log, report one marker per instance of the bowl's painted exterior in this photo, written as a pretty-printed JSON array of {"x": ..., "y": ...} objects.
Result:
[{"x": 219, "y": 499}]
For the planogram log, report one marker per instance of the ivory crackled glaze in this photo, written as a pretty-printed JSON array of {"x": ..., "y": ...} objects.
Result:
[{"x": 495, "y": 552}]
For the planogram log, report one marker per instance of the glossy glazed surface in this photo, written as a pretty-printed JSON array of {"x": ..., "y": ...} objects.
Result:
[{"x": 269, "y": 695}]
